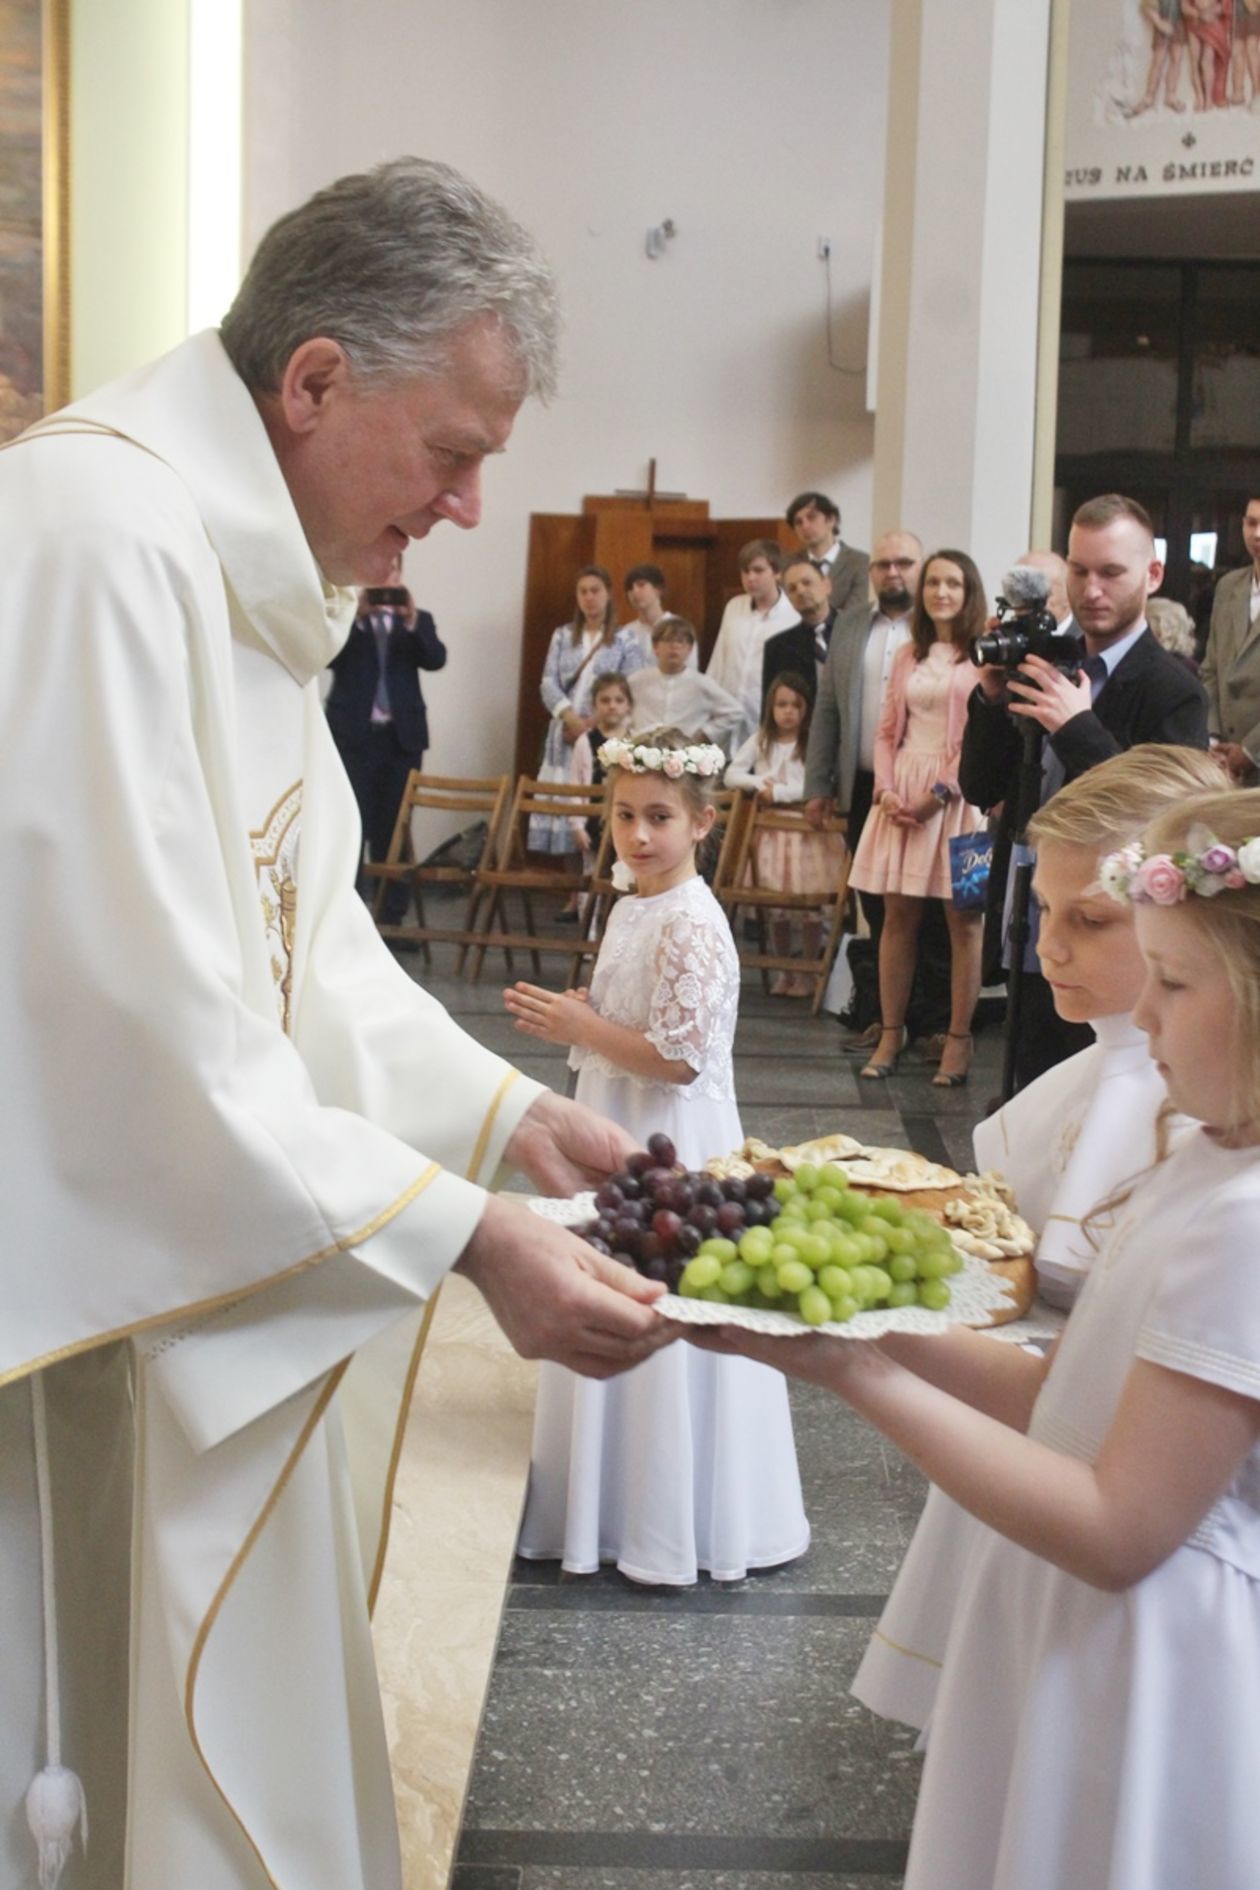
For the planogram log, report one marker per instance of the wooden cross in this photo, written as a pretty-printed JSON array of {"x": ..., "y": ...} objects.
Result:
[{"x": 648, "y": 494}]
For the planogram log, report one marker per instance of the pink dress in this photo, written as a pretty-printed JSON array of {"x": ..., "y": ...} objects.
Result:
[{"x": 920, "y": 736}]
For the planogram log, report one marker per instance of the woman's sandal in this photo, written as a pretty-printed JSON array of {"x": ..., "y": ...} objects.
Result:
[
  {"x": 957, "y": 1078},
  {"x": 876, "y": 1072}
]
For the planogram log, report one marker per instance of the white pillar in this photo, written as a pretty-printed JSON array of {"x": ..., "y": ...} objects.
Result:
[{"x": 960, "y": 291}]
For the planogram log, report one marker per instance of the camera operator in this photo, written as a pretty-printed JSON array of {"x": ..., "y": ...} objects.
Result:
[
  {"x": 1128, "y": 690},
  {"x": 377, "y": 717}
]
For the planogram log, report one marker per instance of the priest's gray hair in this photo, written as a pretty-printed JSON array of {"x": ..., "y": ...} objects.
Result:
[{"x": 390, "y": 263}]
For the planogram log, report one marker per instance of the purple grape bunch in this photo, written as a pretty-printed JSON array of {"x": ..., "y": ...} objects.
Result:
[{"x": 655, "y": 1214}]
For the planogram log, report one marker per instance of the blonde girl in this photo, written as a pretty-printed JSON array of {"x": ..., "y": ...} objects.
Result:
[
  {"x": 1067, "y": 1142},
  {"x": 1099, "y": 1713}
]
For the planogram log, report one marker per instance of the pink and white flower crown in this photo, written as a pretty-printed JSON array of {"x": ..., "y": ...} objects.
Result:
[
  {"x": 1136, "y": 878},
  {"x": 703, "y": 758}
]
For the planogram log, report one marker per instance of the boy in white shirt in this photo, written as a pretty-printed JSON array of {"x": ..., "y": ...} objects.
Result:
[
  {"x": 673, "y": 696},
  {"x": 747, "y": 623}
]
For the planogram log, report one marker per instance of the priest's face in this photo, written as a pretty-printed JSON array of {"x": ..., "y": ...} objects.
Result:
[{"x": 370, "y": 468}]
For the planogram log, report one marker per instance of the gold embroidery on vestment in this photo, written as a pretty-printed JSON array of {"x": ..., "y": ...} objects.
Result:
[{"x": 275, "y": 846}]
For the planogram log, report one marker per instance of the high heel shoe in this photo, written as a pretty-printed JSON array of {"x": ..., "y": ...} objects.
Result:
[
  {"x": 876, "y": 1072},
  {"x": 957, "y": 1078}
]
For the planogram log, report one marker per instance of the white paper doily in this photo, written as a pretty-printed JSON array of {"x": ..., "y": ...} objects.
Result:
[{"x": 974, "y": 1292}]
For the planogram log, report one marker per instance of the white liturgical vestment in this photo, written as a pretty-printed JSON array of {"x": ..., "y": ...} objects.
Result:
[{"x": 241, "y": 1148}]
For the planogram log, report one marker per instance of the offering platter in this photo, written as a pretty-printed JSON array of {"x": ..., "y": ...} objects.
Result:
[{"x": 832, "y": 1236}]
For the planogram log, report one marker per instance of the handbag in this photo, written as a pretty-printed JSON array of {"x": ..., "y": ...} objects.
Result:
[{"x": 970, "y": 858}]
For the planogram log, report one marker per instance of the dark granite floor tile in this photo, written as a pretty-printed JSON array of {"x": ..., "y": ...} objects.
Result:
[
  {"x": 605, "y": 1879},
  {"x": 810, "y": 1037},
  {"x": 783, "y": 1125},
  {"x": 688, "y": 1726},
  {"x": 488, "y": 1877},
  {"x": 815, "y": 1082}
]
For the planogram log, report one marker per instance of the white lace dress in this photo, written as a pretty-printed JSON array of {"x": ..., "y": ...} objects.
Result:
[{"x": 687, "y": 1462}]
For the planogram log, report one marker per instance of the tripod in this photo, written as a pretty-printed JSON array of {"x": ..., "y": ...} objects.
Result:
[{"x": 1027, "y": 801}]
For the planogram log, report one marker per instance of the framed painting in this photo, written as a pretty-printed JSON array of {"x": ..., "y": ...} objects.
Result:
[{"x": 34, "y": 219}]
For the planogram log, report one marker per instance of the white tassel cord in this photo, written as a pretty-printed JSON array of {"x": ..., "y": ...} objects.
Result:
[{"x": 55, "y": 1803}]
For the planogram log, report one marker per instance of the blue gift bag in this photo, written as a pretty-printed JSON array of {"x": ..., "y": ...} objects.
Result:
[{"x": 970, "y": 857}]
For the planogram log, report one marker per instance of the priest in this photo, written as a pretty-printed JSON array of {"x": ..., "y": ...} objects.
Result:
[{"x": 242, "y": 1147}]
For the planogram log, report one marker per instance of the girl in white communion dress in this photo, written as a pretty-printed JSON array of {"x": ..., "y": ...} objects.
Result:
[
  {"x": 1076, "y": 1135},
  {"x": 1098, "y": 1713},
  {"x": 687, "y": 1462}
]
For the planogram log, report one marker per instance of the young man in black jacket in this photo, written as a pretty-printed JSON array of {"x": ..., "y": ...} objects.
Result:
[{"x": 1131, "y": 690}]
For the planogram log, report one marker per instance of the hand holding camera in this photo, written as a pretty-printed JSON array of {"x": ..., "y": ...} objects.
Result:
[{"x": 1042, "y": 692}]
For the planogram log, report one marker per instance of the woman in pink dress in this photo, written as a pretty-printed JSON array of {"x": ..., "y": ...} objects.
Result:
[{"x": 918, "y": 808}]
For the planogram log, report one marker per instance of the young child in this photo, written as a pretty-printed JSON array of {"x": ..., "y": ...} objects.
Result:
[
  {"x": 687, "y": 1463},
  {"x": 612, "y": 704},
  {"x": 771, "y": 765},
  {"x": 1097, "y": 1719},
  {"x": 1065, "y": 1144},
  {"x": 673, "y": 696}
]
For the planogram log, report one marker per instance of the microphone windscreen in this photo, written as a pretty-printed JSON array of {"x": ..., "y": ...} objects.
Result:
[{"x": 1025, "y": 587}]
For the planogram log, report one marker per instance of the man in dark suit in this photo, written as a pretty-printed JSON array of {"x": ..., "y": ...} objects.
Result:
[
  {"x": 377, "y": 716},
  {"x": 1129, "y": 691},
  {"x": 803, "y": 648},
  {"x": 816, "y": 521},
  {"x": 1231, "y": 663}
]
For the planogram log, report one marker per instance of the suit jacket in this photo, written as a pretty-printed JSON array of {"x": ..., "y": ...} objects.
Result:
[
  {"x": 1152, "y": 697},
  {"x": 850, "y": 578},
  {"x": 1230, "y": 671},
  {"x": 794, "y": 649},
  {"x": 356, "y": 668},
  {"x": 831, "y": 760}
]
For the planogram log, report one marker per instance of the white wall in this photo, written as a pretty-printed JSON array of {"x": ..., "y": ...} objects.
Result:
[
  {"x": 128, "y": 185},
  {"x": 757, "y": 125}
]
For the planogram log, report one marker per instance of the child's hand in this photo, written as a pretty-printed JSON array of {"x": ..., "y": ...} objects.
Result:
[
  {"x": 765, "y": 790},
  {"x": 555, "y": 1016}
]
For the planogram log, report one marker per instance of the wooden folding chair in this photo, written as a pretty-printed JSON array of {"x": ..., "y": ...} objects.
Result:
[
  {"x": 742, "y": 892},
  {"x": 512, "y": 872},
  {"x": 486, "y": 795}
]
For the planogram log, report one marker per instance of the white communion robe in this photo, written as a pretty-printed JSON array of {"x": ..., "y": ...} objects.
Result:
[
  {"x": 1079, "y": 1134},
  {"x": 242, "y": 1148}
]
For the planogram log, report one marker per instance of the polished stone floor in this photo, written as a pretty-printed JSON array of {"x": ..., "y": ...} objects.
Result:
[{"x": 706, "y": 1739}]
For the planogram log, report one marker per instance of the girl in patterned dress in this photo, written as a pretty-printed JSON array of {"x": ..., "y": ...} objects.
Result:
[
  {"x": 687, "y": 1462},
  {"x": 771, "y": 765}
]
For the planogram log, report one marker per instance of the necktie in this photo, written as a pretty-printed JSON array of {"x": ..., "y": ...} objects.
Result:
[{"x": 380, "y": 630}]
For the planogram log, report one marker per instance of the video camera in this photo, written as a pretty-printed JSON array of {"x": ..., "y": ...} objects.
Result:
[{"x": 1026, "y": 628}]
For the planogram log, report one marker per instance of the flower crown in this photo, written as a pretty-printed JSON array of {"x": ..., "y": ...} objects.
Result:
[
  {"x": 703, "y": 758},
  {"x": 1136, "y": 878}
]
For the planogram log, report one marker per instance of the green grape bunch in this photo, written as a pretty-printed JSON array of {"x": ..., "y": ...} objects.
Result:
[{"x": 808, "y": 1244}]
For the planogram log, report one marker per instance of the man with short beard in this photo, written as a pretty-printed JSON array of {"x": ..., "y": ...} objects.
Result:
[{"x": 1130, "y": 690}]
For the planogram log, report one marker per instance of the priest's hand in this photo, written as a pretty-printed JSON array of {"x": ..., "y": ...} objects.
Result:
[
  {"x": 557, "y": 1298},
  {"x": 564, "y": 1147}
]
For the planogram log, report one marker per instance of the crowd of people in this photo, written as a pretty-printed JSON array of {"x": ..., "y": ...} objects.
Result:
[{"x": 246, "y": 1146}]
